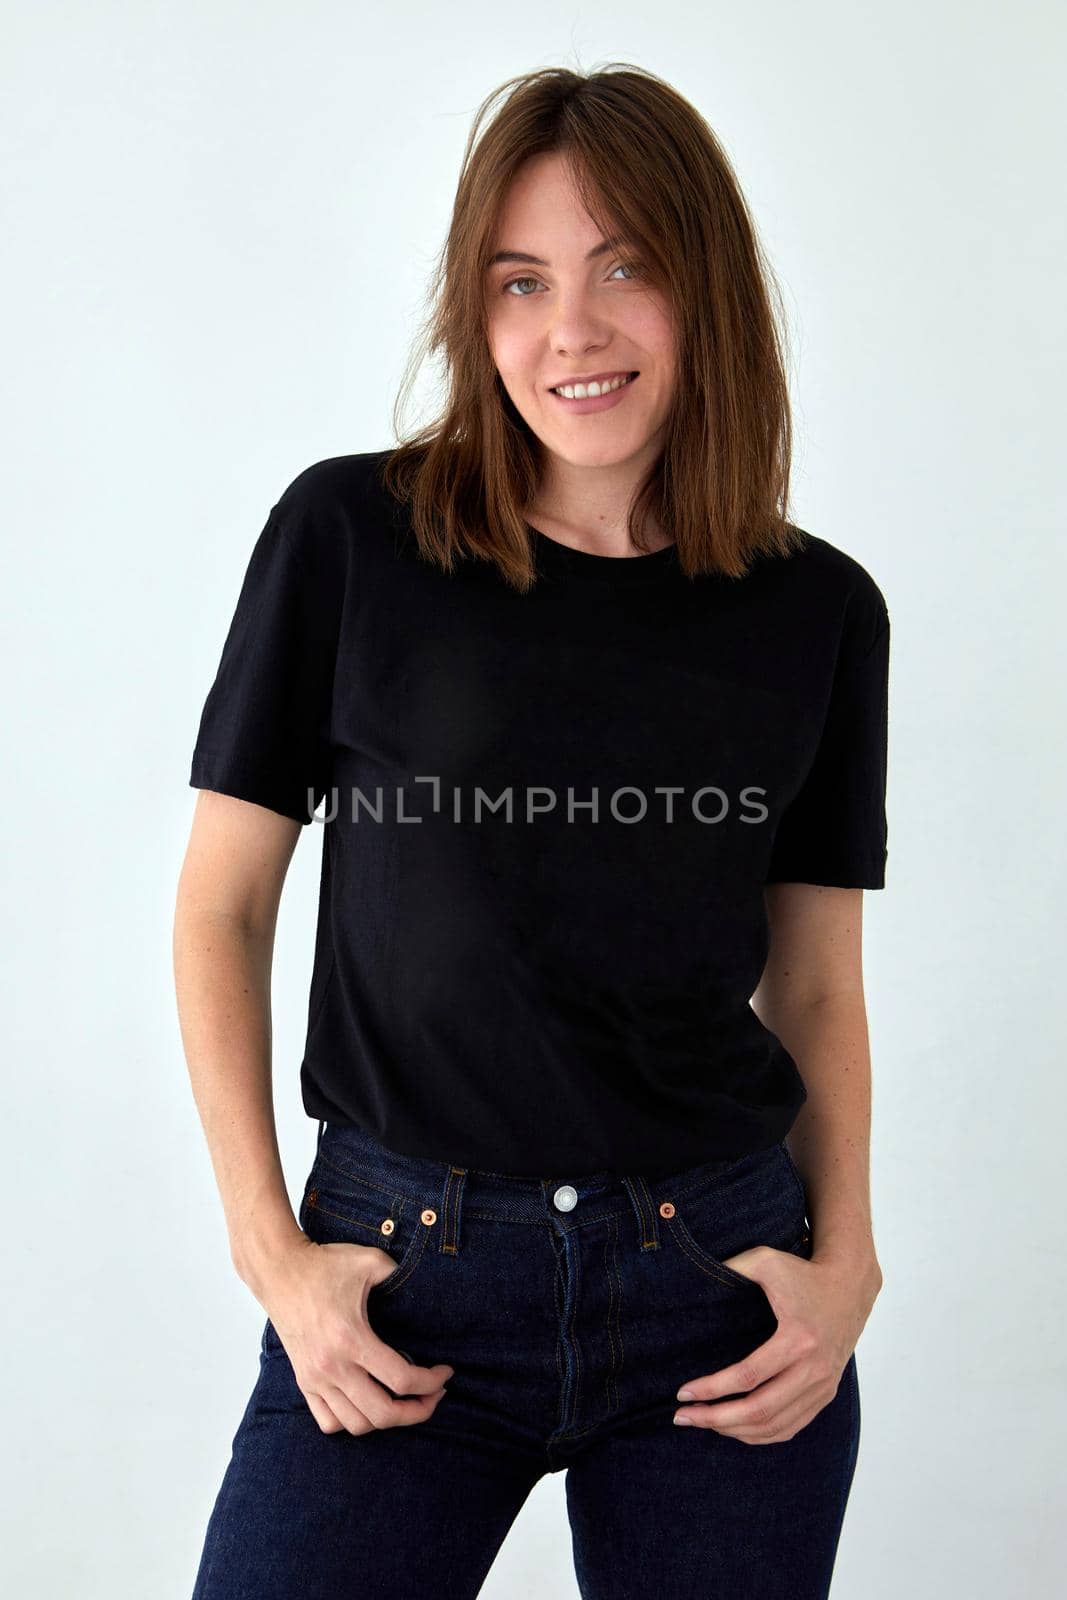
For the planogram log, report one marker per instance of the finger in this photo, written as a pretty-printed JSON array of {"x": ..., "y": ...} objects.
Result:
[
  {"x": 786, "y": 1427},
  {"x": 351, "y": 1418},
  {"x": 810, "y": 1395},
  {"x": 367, "y": 1396},
  {"x": 404, "y": 1377},
  {"x": 759, "y": 1410},
  {"x": 325, "y": 1418},
  {"x": 761, "y": 1364}
]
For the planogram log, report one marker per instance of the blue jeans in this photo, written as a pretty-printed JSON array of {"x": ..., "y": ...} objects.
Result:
[{"x": 572, "y": 1310}]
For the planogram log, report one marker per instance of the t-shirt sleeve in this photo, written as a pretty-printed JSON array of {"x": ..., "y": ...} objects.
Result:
[
  {"x": 835, "y": 830},
  {"x": 264, "y": 729}
]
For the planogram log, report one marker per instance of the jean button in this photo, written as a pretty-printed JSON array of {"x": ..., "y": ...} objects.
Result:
[{"x": 565, "y": 1198}]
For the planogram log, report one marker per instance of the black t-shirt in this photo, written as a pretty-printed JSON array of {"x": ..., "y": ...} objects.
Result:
[{"x": 505, "y": 977}]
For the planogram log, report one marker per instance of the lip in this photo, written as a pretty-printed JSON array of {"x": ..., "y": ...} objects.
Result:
[
  {"x": 599, "y": 402},
  {"x": 593, "y": 377}
]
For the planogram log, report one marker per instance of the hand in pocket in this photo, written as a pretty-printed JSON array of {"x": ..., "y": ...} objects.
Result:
[
  {"x": 820, "y": 1304},
  {"x": 350, "y": 1378}
]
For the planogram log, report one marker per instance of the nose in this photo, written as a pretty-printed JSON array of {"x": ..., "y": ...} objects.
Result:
[{"x": 577, "y": 327}]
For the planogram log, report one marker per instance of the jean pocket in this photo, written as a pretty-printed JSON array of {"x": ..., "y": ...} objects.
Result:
[
  {"x": 758, "y": 1205},
  {"x": 342, "y": 1206}
]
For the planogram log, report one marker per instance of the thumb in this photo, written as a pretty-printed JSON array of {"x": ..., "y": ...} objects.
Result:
[{"x": 745, "y": 1262}]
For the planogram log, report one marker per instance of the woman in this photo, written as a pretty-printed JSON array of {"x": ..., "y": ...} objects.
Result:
[{"x": 602, "y": 740}]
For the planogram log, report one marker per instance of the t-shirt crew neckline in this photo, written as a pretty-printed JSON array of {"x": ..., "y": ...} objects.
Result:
[{"x": 556, "y": 557}]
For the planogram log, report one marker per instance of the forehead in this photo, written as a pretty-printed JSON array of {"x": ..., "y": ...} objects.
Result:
[{"x": 542, "y": 220}]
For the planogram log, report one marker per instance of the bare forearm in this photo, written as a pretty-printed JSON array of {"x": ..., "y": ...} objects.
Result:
[
  {"x": 830, "y": 1139},
  {"x": 222, "y": 979}
]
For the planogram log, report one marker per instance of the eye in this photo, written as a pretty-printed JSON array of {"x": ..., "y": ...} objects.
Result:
[
  {"x": 634, "y": 269},
  {"x": 512, "y": 284}
]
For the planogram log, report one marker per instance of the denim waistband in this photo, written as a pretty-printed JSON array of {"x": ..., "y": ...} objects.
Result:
[{"x": 510, "y": 1197}]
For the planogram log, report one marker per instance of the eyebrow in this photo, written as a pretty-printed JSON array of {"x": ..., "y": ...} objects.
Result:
[{"x": 536, "y": 261}]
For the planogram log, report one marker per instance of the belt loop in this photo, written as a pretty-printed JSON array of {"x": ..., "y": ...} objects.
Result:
[
  {"x": 318, "y": 1141},
  {"x": 641, "y": 1198},
  {"x": 455, "y": 1178}
]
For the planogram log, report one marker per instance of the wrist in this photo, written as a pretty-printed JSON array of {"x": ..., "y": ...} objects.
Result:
[
  {"x": 260, "y": 1253},
  {"x": 856, "y": 1256}
]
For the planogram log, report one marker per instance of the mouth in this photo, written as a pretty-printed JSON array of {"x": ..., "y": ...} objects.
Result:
[{"x": 605, "y": 400}]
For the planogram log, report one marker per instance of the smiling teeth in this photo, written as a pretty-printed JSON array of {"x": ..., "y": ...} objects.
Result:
[{"x": 589, "y": 391}]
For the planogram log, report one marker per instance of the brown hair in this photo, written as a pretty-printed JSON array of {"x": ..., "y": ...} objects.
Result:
[{"x": 646, "y": 164}]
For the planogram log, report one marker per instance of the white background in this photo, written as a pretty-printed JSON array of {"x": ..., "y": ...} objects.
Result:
[{"x": 219, "y": 222}]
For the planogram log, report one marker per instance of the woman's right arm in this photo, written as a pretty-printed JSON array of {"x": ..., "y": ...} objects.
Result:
[
  {"x": 227, "y": 908},
  {"x": 225, "y": 919}
]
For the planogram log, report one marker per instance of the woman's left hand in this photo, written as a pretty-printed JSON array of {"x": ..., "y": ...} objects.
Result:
[{"x": 821, "y": 1305}]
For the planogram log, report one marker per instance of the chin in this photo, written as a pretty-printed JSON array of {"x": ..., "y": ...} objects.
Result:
[{"x": 610, "y": 453}]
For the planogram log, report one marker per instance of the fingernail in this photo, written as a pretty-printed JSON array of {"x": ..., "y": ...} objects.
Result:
[
  {"x": 685, "y": 1394},
  {"x": 682, "y": 1421}
]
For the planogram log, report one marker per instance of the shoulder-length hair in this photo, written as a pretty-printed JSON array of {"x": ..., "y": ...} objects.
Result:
[{"x": 647, "y": 166}]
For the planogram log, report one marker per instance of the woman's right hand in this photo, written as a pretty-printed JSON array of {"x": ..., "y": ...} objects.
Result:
[{"x": 317, "y": 1302}]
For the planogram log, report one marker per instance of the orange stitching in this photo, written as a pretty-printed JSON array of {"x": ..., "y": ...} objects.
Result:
[
  {"x": 614, "y": 1305},
  {"x": 714, "y": 1269}
]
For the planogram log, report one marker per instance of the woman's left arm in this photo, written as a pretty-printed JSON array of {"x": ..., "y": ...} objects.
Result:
[{"x": 811, "y": 997}]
